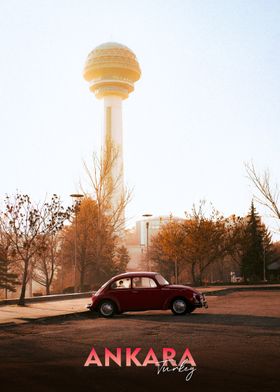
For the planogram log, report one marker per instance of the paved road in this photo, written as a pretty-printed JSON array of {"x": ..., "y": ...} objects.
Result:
[
  {"x": 13, "y": 314},
  {"x": 235, "y": 344}
]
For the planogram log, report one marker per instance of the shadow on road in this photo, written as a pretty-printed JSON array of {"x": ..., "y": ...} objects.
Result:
[
  {"x": 220, "y": 319},
  {"x": 195, "y": 318}
]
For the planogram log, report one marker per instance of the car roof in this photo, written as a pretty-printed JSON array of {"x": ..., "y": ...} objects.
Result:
[{"x": 136, "y": 273}]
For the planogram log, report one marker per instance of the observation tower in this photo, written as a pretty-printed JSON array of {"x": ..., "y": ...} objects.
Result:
[{"x": 111, "y": 70}]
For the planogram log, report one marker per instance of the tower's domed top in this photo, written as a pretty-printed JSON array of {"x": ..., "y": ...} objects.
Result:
[
  {"x": 112, "y": 68},
  {"x": 112, "y": 45}
]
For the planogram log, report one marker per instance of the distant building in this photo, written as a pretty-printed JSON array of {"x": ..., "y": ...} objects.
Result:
[{"x": 136, "y": 239}]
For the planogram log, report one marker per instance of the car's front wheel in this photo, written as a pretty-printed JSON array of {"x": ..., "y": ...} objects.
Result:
[
  {"x": 180, "y": 306},
  {"x": 107, "y": 308}
]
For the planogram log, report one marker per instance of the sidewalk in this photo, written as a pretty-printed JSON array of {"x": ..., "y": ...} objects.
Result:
[{"x": 14, "y": 314}]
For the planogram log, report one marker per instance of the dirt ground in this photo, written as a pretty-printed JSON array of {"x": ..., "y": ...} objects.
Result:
[{"x": 235, "y": 344}]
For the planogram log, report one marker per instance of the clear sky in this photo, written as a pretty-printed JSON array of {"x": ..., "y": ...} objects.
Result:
[{"x": 208, "y": 99}]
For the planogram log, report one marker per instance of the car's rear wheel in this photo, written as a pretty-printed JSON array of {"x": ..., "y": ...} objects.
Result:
[
  {"x": 107, "y": 308},
  {"x": 180, "y": 306}
]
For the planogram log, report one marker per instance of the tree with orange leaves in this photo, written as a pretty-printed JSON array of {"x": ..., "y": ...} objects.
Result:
[{"x": 193, "y": 244}]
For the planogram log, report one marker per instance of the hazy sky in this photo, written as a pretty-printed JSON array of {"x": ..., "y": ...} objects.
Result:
[{"x": 208, "y": 99}]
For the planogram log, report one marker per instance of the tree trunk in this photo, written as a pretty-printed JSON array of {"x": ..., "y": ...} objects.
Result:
[
  {"x": 193, "y": 273},
  {"x": 82, "y": 274},
  {"x": 21, "y": 301},
  {"x": 199, "y": 274}
]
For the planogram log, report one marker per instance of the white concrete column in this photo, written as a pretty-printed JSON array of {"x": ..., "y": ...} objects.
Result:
[{"x": 113, "y": 131}]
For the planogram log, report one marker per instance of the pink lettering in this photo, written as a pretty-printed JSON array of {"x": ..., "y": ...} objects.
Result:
[
  {"x": 115, "y": 358},
  {"x": 187, "y": 358},
  {"x": 131, "y": 356},
  {"x": 168, "y": 354},
  {"x": 150, "y": 358},
  {"x": 95, "y": 361}
]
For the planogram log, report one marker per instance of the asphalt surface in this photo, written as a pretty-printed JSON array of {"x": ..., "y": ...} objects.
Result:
[
  {"x": 56, "y": 305},
  {"x": 235, "y": 344}
]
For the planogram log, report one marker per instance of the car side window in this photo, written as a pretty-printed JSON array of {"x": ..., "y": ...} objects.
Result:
[
  {"x": 142, "y": 282},
  {"x": 121, "y": 284}
]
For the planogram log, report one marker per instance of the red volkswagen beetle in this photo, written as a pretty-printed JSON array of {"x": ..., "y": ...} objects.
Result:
[{"x": 138, "y": 291}]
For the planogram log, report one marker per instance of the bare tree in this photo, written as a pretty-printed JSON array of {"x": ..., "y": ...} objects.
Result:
[
  {"x": 104, "y": 181},
  {"x": 269, "y": 196},
  {"x": 26, "y": 226},
  {"x": 105, "y": 187},
  {"x": 46, "y": 262}
]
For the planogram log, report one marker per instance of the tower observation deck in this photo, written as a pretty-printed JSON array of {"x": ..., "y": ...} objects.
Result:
[{"x": 111, "y": 70}]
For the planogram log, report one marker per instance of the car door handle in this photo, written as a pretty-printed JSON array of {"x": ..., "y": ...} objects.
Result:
[{"x": 135, "y": 291}]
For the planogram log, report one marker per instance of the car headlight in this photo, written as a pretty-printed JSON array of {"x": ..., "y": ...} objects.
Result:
[{"x": 196, "y": 297}]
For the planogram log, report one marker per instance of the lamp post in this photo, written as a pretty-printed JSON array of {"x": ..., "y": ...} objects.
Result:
[
  {"x": 147, "y": 241},
  {"x": 76, "y": 197}
]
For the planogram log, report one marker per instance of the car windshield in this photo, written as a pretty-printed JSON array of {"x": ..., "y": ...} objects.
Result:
[{"x": 161, "y": 280}]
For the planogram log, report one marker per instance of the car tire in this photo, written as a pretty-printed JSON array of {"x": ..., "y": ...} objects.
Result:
[
  {"x": 190, "y": 308},
  {"x": 107, "y": 308},
  {"x": 179, "y": 307}
]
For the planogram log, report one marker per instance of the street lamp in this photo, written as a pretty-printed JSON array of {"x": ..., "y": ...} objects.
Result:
[
  {"x": 76, "y": 197},
  {"x": 147, "y": 230}
]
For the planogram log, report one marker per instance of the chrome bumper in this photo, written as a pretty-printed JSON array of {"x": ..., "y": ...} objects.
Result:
[{"x": 201, "y": 303}]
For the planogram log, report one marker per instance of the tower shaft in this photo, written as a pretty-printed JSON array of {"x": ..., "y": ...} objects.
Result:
[
  {"x": 113, "y": 149},
  {"x": 111, "y": 70}
]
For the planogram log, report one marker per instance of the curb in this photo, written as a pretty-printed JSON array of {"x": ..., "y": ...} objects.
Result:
[{"x": 230, "y": 290}]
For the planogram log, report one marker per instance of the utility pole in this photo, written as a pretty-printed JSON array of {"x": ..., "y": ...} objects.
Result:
[{"x": 147, "y": 240}]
